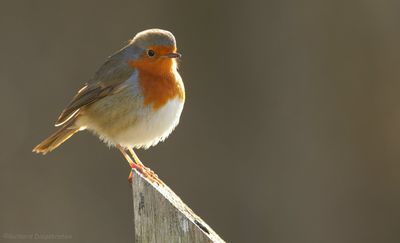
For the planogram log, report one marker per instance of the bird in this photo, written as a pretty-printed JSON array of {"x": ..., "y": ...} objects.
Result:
[{"x": 134, "y": 100}]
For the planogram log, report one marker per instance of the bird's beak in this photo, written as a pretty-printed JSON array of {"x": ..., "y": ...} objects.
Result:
[{"x": 173, "y": 55}]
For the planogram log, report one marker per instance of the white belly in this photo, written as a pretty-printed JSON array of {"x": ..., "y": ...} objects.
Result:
[{"x": 152, "y": 127}]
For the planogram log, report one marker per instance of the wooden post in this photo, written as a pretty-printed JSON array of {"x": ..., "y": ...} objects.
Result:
[{"x": 161, "y": 216}]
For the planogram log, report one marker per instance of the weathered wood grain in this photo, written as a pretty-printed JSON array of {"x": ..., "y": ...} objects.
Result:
[{"x": 161, "y": 216}]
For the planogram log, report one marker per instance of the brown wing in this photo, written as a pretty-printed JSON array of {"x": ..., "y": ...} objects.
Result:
[
  {"x": 109, "y": 80},
  {"x": 86, "y": 96}
]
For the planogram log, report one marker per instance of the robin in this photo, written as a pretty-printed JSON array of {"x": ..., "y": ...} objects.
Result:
[{"x": 134, "y": 100}]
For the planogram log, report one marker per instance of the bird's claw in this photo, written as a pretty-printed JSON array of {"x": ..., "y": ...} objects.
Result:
[{"x": 147, "y": 173}]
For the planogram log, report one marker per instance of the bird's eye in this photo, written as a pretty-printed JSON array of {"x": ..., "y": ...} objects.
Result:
[{"x": 150, "y": 53}]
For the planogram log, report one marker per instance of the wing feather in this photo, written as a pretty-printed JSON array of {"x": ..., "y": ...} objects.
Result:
[
  {"x": 86, "y": 96},
  {"x": 107, "y": 80}
]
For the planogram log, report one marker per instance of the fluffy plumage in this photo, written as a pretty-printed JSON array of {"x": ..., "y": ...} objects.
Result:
[{"x": 133, "y": 100}]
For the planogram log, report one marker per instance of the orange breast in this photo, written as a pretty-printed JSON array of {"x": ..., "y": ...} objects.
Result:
[{"x": 158, "y": 81}]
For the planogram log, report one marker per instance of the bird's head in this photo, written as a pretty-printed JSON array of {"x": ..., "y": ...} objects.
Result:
[{"x": 153, "y": 50}]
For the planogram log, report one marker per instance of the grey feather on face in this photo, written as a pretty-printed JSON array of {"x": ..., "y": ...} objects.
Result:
[
  {"x": 116, "y": 66},
  {"x": 153, "y": 37}
]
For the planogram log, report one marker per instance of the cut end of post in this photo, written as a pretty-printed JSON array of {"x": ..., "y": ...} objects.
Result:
[{"x": 161, "y": 216}]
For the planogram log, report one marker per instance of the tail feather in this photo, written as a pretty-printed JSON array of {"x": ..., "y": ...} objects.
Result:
[{"x": 56, "y": 139}]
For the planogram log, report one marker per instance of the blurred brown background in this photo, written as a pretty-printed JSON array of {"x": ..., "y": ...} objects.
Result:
[{"x": 290, "y": 133}]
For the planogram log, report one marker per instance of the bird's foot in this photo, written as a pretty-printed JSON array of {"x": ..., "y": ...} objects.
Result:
[{"x": 147, "y": 173}]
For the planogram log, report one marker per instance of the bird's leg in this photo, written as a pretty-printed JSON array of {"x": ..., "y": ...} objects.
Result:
[
  {"x": 132, "y": 164},
  {"x": 153, "y": 177}
]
